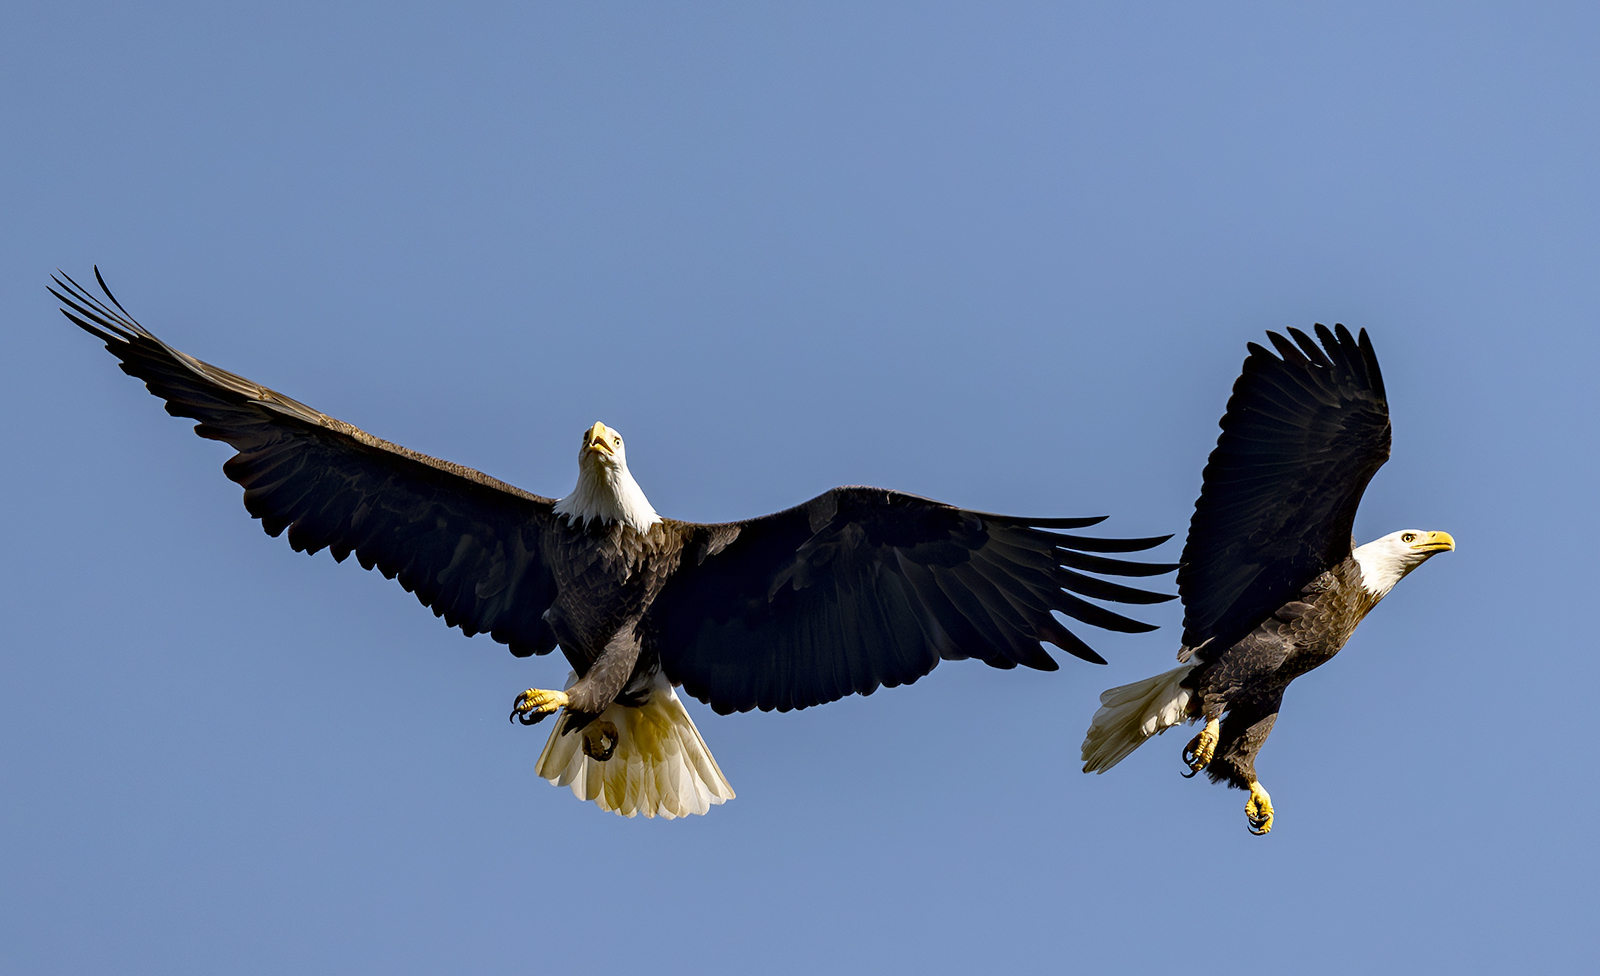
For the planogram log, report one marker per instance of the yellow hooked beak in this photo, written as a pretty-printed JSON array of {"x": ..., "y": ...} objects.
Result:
[
  {"x": 599, "y": 440},
  {"x": 1435, "y": 542}
]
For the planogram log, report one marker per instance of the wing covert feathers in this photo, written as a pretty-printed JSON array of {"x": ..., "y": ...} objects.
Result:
[
  {"x": 466, "y": 544},
  {"x": 1304, "y": 432},
  {"x": 862, "y": 588}
]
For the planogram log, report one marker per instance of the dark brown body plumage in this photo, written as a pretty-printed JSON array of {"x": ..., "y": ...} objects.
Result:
[
  {"x": 607, "y": 575},
  {"x": 1247, "y": 680}
]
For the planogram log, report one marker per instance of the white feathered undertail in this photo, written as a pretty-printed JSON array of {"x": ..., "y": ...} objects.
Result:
[
  {"x": 660, "y": 767},
  {"x": 1130, "y": 714}
]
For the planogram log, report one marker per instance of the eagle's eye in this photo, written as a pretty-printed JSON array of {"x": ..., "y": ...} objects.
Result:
[
  {"x": 1409, "y": 537},
  {"x": 617, "y": 441}
]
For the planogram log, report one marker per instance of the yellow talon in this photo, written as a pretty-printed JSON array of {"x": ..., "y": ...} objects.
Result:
[
  {"x": 1202, "y": 747},
  {"x": 1259, "y": 809},
  {"x": 533, "y": 705}
]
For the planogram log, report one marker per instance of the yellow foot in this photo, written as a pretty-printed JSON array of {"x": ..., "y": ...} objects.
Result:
[
  {"x": 599, "y": 740},
  {"x": 1201, "y": 748},
  {"x": 533, "y": 705},
  {"x": 1259, "y": 809}
]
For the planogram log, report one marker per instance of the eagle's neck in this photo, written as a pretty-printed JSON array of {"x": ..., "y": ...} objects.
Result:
[
  {"x": 1381, "y": 568},
  {"x": 609, "y": 494}
]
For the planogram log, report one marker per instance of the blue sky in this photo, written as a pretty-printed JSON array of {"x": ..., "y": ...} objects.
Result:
[{"x": 1008, "y": 257}]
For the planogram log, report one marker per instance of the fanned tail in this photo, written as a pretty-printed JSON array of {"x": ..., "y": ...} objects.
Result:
[
  {"x": 1130, "y": 714},
  {"x": 660, "y": 767}
]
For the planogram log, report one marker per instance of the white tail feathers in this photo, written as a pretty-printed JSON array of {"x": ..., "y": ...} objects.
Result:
[
  {"x": 1130, "y": 714},
  {"x": 660, "y": 767}
]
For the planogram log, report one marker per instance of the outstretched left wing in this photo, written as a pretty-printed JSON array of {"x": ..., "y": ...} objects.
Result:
[
  {"x": 862, "y": 587},
  {"x": 467, "y": 545}
]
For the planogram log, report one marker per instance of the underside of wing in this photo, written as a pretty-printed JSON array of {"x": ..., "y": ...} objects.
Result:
[
  {"x": 1304, "y": 432},
  {"x": 865, "y": 587},
  {"x": 467, "y": 545}
]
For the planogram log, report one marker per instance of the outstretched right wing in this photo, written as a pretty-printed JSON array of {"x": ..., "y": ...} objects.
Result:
[
  {"x": 866, "y": 587},
  {"x": 1301, "y": 438},
  {"x": 467, "y": 545}
]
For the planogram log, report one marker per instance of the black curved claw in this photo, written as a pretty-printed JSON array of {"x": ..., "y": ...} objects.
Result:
[
  {"x": 1191, "y": 774},
  {"x": 532, "y": 716},
  {"x": 1191, "y": 756},
  {"x": 1256, "y": 825}
]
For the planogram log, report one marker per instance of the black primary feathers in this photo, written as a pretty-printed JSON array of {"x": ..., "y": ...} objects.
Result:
[
  {"x": 465, "y": 544},
  {"x": 1301, "y": 438},
  {"x": 863, "y": 587}
]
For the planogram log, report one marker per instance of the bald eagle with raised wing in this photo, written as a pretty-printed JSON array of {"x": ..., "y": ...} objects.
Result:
[
  {"x": 855, "y": 589},
  {"x": 1272, "y": 582}
]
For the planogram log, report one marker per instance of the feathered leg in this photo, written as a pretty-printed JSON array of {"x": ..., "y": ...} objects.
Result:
[
  {"x": 589, "y": 696},
  {"x": 1244, "y": 731}
]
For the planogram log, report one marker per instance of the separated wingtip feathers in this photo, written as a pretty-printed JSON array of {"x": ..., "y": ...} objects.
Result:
[
  {"x": 1074, "y": 522},
  {"x": 1288, "y": 350},
  {"x": 1303, "y": 349},
  {"x": 108, "y": 324},
  {"x": 1369, "y": 355},
  {"x": 1056, "y": 633},
  {"x": 107, "y": 289},
  {"x": 100, "y": 334}
]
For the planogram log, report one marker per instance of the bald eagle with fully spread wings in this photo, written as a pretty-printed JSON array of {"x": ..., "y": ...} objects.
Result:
[
  {"x": 856, "y": 589},
  {"x": 1272, "y": 582}
]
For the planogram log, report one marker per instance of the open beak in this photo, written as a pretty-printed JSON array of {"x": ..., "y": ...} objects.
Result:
[
  {"x": 1435, "y": 542},
  {"x": 598, "y": 440}
]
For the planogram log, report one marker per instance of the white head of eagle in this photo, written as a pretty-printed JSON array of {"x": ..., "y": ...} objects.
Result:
[
  {"x": 1385, "y": 562},
  {"x": 606, "y": 490}
]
